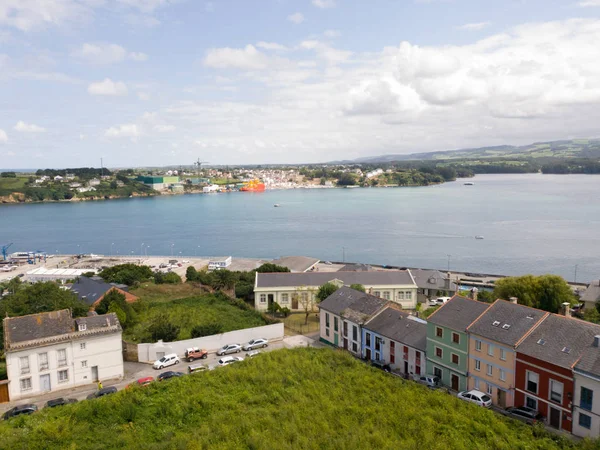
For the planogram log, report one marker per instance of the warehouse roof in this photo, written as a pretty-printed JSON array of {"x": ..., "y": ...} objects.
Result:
[{"x": 382, "y": 278}]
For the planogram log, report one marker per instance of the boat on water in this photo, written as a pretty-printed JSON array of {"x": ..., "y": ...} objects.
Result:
[
  {"x": 253, "y": 186},
  {"x": 478, "y": 237},
  {"x": 276, "y": 205},
  {"x": 469, "y": 183}
]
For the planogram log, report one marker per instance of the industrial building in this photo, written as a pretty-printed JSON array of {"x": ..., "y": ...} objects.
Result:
[
  {"x": 44, "y": 274},
  {"x": 158, "y": 183}
]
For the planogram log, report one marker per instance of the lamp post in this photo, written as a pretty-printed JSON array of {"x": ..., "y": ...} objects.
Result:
[
  {"x": 111, "y": 247},
  {"x": 147, "y": 247},
  {"x": 172, "y": 245},
  {"x": 141, "y": 249}
]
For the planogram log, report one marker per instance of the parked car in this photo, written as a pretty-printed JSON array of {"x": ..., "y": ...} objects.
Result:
[
  {"x": 381, "y": 365},
  {"x": 194, "y": 353},
  {"x": 477, "y": 397},
  {"x": 18, "y": 410},
  {"x": 438, "y": 301},
  {"x": 165, "y": 361},
  {"x": 524, "y": 414},
  {"x": 229, "y": 348},
  {"x": 60, "y": 402},
  {"x": 141, "y": 382},
  {"x": 169, "y": 374},
  {"x": 255, "y": 343},
  {"x": 253, "y": 353},
  {"x": 102, "y": 392},
  {"x": 197, "y": 368},
  {"x": 225, "y": 361},
  {"x": 429, "y": 381}
]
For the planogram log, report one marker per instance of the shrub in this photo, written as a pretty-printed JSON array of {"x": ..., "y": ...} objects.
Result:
[
  {"x": 162, "y": 329},
  {"x": 325, "y": 291},
  {"x": 270, "y": 267},
  {"x": 358, "y": 287},
  {"x": 166, "y": 278},
  {"x": 128, "y": 274}
]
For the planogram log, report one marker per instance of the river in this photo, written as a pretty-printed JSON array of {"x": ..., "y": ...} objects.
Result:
[{"x": 531, "y": 224}]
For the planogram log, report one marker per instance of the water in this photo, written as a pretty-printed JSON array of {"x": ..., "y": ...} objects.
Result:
[{"x": 531, "y": 224}]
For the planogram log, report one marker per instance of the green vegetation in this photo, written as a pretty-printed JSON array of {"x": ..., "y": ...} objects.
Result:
[
  {"x": 129, "y": 274},
  {"x": 358, "y": 287},
  {"x": 3, "y": 375},
  {"x": 162, "y": 317},
  {"x": 325, "y": 291},
  {"x": 303, "y": 398},
  {"x": 115, "y": 302},
  {"x": 547, "y": 292},
  {"x": 166, "y": 278},
  {"x": 151, "y": 292}
]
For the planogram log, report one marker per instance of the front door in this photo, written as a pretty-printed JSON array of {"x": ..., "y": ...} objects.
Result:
[
  {"x": 335, "y": 339},
  {"x": 345, "y": 344},
  {"x": 368, "y": 354},
  {"x": 345, "y": 329},
  {"x": 406, "y": 367},
  {"x": 270, "y": 299},
  {"x": 95, "y": 373},
  {"x": 455, "y": 382},
  {"x": 294, "y": 302},
  {"x": 45, "y": 382},
  {"x": 501, "y": 398},
  {"x": 555, "y": 418}
]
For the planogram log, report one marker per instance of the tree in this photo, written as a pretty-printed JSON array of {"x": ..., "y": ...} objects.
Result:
[
  {"x": 346, "y": 179},
  {"x": 191, "y": 274},
  {"x": 325, "y": 291},
  {"x": 358, "y": 287},
  {"x": 223, "y": 279},
  {"x": 115, "y": 301},
  {"x": 128, "y": 274},
  {"x": 161, "y": 328},
  {"x": 305, "y": 297},
  {"x": 270, "y": 268},
  {"x": 547, "y": 292},
  {"x": 166, "y": 278},
  {"x": 208, "y": 329}
]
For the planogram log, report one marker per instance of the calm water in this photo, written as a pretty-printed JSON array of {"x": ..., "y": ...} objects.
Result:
[{"x": 531, "y": 224}]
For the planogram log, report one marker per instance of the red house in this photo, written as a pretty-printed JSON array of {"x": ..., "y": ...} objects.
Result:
[{"x": 544, "y": 367}]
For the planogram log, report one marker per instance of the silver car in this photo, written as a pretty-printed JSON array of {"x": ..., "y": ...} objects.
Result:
[
  {"x": 229, "y": 360},
  {"x": 229, "y": 348},
  {"x": 255, "y": 343}
]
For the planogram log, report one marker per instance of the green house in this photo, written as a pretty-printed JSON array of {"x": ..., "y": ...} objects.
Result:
[{"x": 448, "y": 343}]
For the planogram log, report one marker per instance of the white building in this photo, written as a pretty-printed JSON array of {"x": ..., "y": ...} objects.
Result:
[
  {"x": 52, "y": 351},
  {"x": 44, "y": 274},
  {"x": 219, "y": 263},
  {"x": 586, "y": 401}
]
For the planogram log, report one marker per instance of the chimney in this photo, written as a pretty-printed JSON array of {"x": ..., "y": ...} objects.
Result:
[
  {"x": 566, "y": 309},
  {"x": 447, "y": 282},
  {"x": 596, "y": 341},
  {"x": 514, "y": 300},
  {"x": 474, "y": 292}
]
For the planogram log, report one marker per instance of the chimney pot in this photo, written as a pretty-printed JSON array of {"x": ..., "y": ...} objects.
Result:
[
  {"x": 514, "y": 300},
  {"x": 566, "y": 308}
]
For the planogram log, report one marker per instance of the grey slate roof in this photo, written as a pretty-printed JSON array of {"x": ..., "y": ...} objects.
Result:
[
  {"x": 296, "y": 263},
  {"x": 432, "y": 279},
  {"x": 352, "y": 267},
  {"x": 282, "y": 279},
  {"x": 557, "y": 333},
  {"x": 400, "y": 327},
  {"x": 91, "y": 289},
  {"x": 589, "y": 362},
  {"x": 493, "y": 323},
  {"x": 592, "y": 293},
  {"x": 35, "y": 329},
  {"x": 458, "y": 313},
  {"x": 353, "y": 305}
]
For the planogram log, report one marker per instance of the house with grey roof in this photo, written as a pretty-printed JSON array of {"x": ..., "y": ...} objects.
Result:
[
  {"x": 591, "y": 295},
  {"x": 396, "y": 338},
  {"x": 586, "y": 394},
  {"x": 343, "y": 315},
  {"x": 432, "y": 284},
  {"x": 53, "y": 351},
  {"x": 493, "y": 341},
  {"x": 297, "y": 263},
  {"x": 297, "y": 290},
  {"x": 92, "y": 290},
  {"x": 545, "y": 363},
  {"x": 448, "y": 342}
]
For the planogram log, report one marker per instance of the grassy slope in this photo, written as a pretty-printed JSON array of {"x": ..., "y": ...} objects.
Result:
[
  {"x": 304, "y": 398},
  {"x": 10, "y": 185}
]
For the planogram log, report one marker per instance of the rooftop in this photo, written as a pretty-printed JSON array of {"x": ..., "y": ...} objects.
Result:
[
  {"x": 296, "y": 263},
  {"x": 353, "y": 305},
  {"x": 592, "y": 293},
  {"x": 90, "y": 290},
  {"x": 458, "y": 313},
  {"x": 400, "y": 327},
  {"x": 432, "y": 279},
  {"x": 386, "y": 278}
]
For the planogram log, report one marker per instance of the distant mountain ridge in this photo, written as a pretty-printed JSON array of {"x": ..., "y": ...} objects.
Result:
[{"x": 575, "y": 148}]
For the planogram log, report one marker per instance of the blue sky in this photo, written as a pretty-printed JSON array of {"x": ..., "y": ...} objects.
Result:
[{"x": 160, "y": 82}]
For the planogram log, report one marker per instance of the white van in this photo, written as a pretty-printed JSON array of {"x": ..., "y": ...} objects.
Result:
[
  {"x": 165, "y": 361},
  {"x": 438, "y": 301}
]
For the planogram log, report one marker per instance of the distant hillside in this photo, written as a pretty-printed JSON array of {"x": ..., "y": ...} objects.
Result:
[{"x": 579, "y": 148}]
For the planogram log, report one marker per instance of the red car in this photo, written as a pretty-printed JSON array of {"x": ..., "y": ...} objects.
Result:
[{"x": 141, "y": 382}]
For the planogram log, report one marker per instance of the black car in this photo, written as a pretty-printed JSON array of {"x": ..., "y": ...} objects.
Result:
[
  {"x": 524, "y": 414},
  {"x": 102, "y": 392},
  {"x": 18, "y": 410},
  {"x": 169, "y": 374},
  {"x": 60, "y": 402},
  {"x": 381, "y": 365}
]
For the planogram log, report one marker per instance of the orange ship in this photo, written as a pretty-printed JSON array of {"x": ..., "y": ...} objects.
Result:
[{"x": 253, "y": 186}]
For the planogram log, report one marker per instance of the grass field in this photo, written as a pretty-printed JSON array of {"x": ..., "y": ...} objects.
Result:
[
  {"x": 287, "y": 399},
  {"x": 294, "y": 323},
  {"x": 165, "y": 292},
  {"x": 10, "y": 185}
]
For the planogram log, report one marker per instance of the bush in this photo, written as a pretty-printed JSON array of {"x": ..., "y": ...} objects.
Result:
[
  {"x": 270, "y": 268},
  {"x": 128, "y": 274},
  {"x": 325, "y": 291},
  {"x": 167, "y": 278},
  {"x": 358, "y": 287},
  {"x": 162, "y": 329},
  {"x": 208, "y": 329}
]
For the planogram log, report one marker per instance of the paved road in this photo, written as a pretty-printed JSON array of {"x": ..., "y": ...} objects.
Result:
[{"x": 135, "y": 371}]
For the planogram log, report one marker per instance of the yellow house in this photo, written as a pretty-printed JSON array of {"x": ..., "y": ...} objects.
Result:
[{"x": 296, "y": 290}]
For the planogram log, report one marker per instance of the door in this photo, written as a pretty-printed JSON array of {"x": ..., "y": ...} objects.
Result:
[
  {"x": 95, "y": 373},
  {"x": 270, "y": 299},
  {"x": 335, "y": 339},
  {"x": 555, "y": 418},
  {"x": 368, "y": 354},
  {"x": 45, "y": 382},
  {"x": 406, "y": 367},
  {"x": 455, "y": 382},
  {"x": 501, "y": 398},
  {"x": 294, "y": 301},
  {"x": 345, "y": 329},
  {"x": 345, "y": 344}
]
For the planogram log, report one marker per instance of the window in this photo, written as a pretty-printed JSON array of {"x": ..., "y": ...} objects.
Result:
[
  {"x": 304, "y": 297},
  {"x": 63, "y": 376},
  {"x": 401, "y": 295},
  {"x": 24, "y": 364},
  {"x": 531, "y": 402},
  {"x": 532, "y": 382},
  {"x": 586, "y": 400},
  {"x": 556, "y": 391},
  {"x": 82, "y": 326},
  {"x": 326, "y": 331},
  {"x": 354, "y": 347},
  {"x": 585, "y": 421},
  {"x": 455, "y": 358},
  {"x": 335, "y": 324},
  {"x": 377, "y": 294},
  {"x": 83, "y": 363},
  {"x": 405, "y": 353},
  {"x": 408, "y": 295},
  {"x": 489, "y": 389},
  {"x": 418, "y": 358},
  {"x": 377, "y": 344},
  {"x": 368, "y": 339},
  {"x": 354, "y": 333},
  {"x": 502, "y": 375},
  {"x": 456, "y": 338},
  {"x": 476, "y": 385},
  {"x": 439, "y": 332},
  {"x": 25, "y": 384},
  {"x": 437, "y": 372},
  {"x": 392, "y": 352},
  {"x": 285, "y": 298},
  {"x": 490, "y": 350},
  {"x": 490, "y": 370},
  {"x": 503, "y": 354},
  {"x": 438, "y": 352},
  {"x": 263, "y": 298},
  {"x": 477, "y": 365},
  {"x": 43, "y": 361},
  {"x": 386, "y": 295},
  {"x": 327, "y": 320},
  {"x": 62, "y": 355},
  {"x": 478, "y": 346}
]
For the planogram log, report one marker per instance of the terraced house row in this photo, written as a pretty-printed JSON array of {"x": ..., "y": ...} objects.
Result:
[{"x": 518, "y": 355}]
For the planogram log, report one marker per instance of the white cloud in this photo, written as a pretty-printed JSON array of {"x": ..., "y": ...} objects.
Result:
[
  {"x": 138, "y": 56},
  {"x": 106, "y": 54},
  {"x": 3, "y": 136},
  {"x": 146, "y": 6},
  {"x": 123, "y": 131},
  {"x": 589, "y": 3},
  {"x": 23, "y": 127},
  {"x": 108, "y": 87},
  {"x": 28, "y": 15},
  {"x": 143, "y": 96},
  {"x": 324, "y": 3},
  {"x": 271, "y": 46},
  {"x": 332, "y": 33},
  {"x": 296, "y": 18},
  {"x": 475, "y": 26},
  {"x": 164, "y": 128},
  {"x": 238, "y": 58}
]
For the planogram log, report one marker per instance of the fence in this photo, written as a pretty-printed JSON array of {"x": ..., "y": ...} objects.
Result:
[{"x": 152, "y": 352}]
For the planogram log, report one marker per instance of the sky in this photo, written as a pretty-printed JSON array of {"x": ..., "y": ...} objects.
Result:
[{"x": 165, "y": 82}]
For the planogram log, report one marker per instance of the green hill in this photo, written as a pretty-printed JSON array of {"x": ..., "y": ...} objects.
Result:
[{"x": 303, "y": 398}]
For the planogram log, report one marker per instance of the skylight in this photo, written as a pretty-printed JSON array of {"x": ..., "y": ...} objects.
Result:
[
  {"x": 505, "y": 326},
  {"x": 541, "y": 342},
  {"x": 496, "y": 323},
  {"x": 566, "y": 350}
]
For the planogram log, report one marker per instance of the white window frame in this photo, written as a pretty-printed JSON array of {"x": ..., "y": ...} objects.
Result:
[
  {"x": 82, "y": 326},
  {"x": 285, "y": 298},
  {"x": 533, "y": 400},
  {"x": 377, "y": 294},
  {"x": 408, "y": 295},
  {"x": 25, "y": 368},
  {"x": 400, "y": 295},
  {"x": 63, "y": 362},
  {"x": 386, "y": 295},
  {"x": 489, "y": 370},
  {"x": 84, "y": 364},
  {"x": 489, "y": 389},
  {"x": 537, "y": 383},
  {"x": 476, "y": 384},
  {"x": 477, "y": 365},
  {"x": 503, "y": 354},
  {"x": 490, "y": 350},
  {"x": 27, "y": 383},
  {"x": 263, "y": 298},
  {"x": 65, "y": 378},
  {"x": 478, "y": 345},
  {"x": 43, "y": 362},
  {"x": 550, "y": 391},
  {"x": 502, "y": 375}
]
